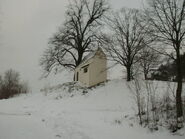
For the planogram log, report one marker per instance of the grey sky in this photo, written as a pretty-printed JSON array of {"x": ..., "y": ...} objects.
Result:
[{"x": 26, "y": 26}]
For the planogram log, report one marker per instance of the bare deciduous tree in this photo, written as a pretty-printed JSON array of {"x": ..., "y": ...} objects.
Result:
[
  {"x": 77, "y": 35},
  {"x": 167, "y": 18},
  {"x": 1, "y": 84},
  {"x": 149, "y": 59},
  {"x": 1, "y": 80},
  {"x": 151, "y": 106},
  {"x": 10, "y": 85},
  {"x": 127, "y": 38},
  {"x": 139, "y": 98}
]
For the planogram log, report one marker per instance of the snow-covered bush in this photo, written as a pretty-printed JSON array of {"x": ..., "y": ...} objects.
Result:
[{"x": 68, "y": 89}]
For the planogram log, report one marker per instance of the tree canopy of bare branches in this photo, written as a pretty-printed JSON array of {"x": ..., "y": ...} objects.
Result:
[
  {"x": 167, "y": 18},
  {"x": 149, "y": 59},
  {"x": 76, "y": 36},
  {"x": 127, "y": 38}
]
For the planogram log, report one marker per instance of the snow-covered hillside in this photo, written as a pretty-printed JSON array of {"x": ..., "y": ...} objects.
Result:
[{"x": 105, "y": 112}]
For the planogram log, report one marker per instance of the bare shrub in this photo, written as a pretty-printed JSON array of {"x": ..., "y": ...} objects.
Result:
[
  {"x": 10, "y": 85},
  {"x": 136, "y": 88},
  {"x": 155, "y": 104}
]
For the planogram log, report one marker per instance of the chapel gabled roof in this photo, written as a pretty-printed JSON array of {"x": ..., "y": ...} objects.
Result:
[{"x": 89, "y": 56}]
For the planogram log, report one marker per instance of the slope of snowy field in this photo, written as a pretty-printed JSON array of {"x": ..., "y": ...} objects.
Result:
[{"x": 103, "y": 113}]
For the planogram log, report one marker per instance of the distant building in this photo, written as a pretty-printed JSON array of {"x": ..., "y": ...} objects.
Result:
[{"x": 92, "y": 70}]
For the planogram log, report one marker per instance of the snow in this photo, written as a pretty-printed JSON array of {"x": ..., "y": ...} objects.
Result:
[
  {"x": 105, "y": 112},
  {"x": 15, "y": 126}
]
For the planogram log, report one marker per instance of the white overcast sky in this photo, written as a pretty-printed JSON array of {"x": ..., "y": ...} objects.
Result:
[{"x": 26, "y": 25}]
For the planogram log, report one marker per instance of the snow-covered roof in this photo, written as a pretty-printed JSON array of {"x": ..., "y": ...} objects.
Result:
[{"x": 89, "y": 56}]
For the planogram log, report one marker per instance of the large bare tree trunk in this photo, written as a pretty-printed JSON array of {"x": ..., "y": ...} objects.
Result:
[
  {"x": 179, "y": 91},
  {"x": 146, "y": 77},
  {"x": 129, "y": 73},
  {"x": 80, "y": 56}
]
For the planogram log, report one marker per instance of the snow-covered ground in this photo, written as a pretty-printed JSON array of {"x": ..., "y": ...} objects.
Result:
[{"x": 103, "y": 113}]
